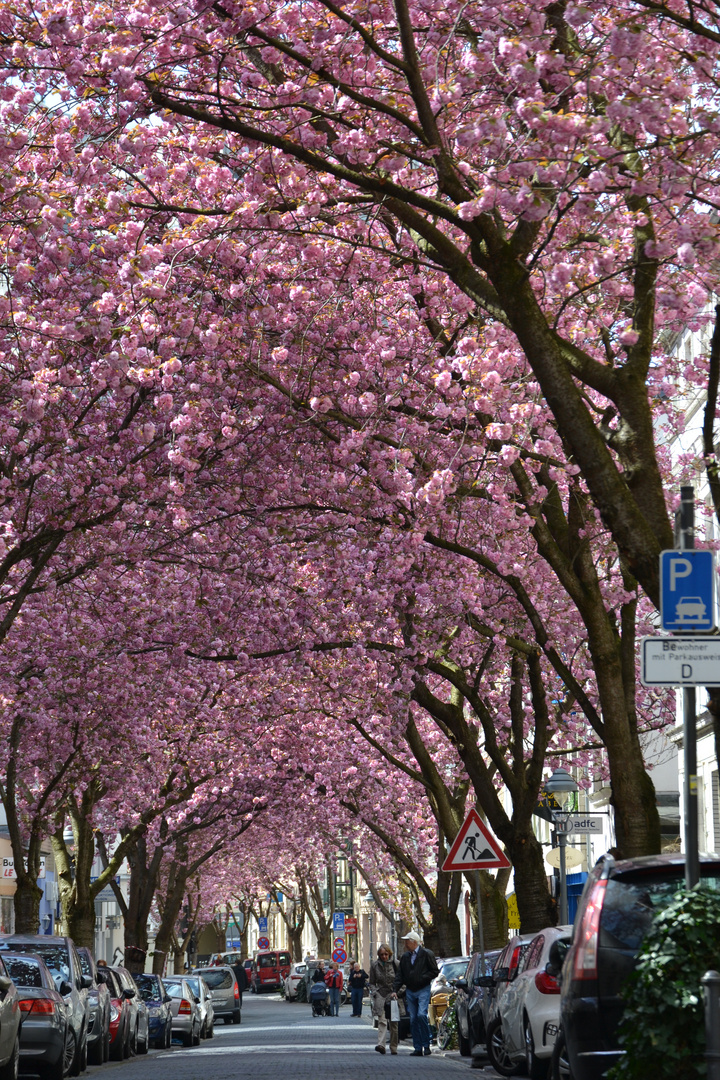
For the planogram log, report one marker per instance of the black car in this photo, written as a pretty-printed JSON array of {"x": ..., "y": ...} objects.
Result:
[
  {"x": 618, "y": 904},
  {"x": 471, "y": 1001},
  {"x": 47, "y": 1041},
  {"x": 99, "y": 1004},
  {"x": 61, "y": 957}
]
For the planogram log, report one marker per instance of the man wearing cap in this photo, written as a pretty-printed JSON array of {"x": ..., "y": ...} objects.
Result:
[{"x": 417, "y": 970}]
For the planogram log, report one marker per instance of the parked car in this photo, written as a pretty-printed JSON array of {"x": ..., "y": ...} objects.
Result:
[
  {"x": 61, "y": 957},
  {"x": 207, "y": 1013},
  {"x": 449, "y": 968},
  {"x": 224, "y": 991},
  {"x": 471, "y": 1001},
  {"x": 120, "y": 1013},
  {"x": 47, "y": 1041},
  {"x": 99, "y": 1010},
  {"x": 139, "y": 1018},
  {"x": 618, "y": 904},
  {"x": 157, "y": 1002},
  {"x": 185, "y": 1007},
  {"x": 269, "y": 971},
  {"x": 529, "y": 1011},
  {"x": 293, "y": 980}
]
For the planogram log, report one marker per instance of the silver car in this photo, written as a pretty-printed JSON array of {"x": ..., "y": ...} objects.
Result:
[
  {"x": 186, "y": 1021},
  {"x": 223, "y": 987},
  {"x": 207, "y": 1014}
]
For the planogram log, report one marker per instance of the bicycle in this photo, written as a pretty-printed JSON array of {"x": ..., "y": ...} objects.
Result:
[{"x": 447, "y": 1030}]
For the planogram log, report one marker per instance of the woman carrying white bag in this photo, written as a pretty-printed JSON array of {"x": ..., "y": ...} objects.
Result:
[{"x": 382, "y": 977}]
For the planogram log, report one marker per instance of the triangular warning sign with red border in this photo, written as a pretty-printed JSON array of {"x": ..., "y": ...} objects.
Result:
[{"x": 475, "y": 848}]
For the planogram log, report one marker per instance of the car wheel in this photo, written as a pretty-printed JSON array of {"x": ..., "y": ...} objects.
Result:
[
  {"x": 497, "y": 1051},
  {"x": 96, "y": 1052},
  {"x": 463, "y": 1043},
  {"x": 560, "y": 1062},
  {"x": 142, "y": 1045},
  {"x": 196, "y": 1038},
  {"x": 236, "y": 1016},
  {"x": 61, "y": 1068},
  {"x": 537, "y": 1068},
  {"x": 9, "y": 1071},
  {"x": 133, "y": 1042},
  {"x": 210, "y": 1033},
  {"x": 168, "y": 1035}
]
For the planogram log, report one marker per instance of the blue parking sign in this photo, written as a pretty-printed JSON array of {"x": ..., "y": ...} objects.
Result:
[
  {"x": 338, "y": 922},
  {"x": 262, "y": 924},
  {"x": 687, "y": 591}
]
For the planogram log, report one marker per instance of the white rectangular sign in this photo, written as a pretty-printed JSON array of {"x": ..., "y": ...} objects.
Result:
[
  {"x": 586, "y": 823},
  {"x": 680, "y": 661}
]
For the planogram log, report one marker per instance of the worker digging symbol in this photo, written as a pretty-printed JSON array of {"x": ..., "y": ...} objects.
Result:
[{"x": 471, "y": 849}]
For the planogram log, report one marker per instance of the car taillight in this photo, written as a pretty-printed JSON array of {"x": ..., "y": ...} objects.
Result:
[
  {"x": 37, "y": 1005},
  {"x": 237, "y": 992},
  {"x": 514, "y": 961},
  {"x": 185, "y": 1008},
  {"x": 585, "y": 961},
  {"x": 546, "y": 984}
]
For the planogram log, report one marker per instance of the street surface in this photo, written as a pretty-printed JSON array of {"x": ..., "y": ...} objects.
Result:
[{"x": 283, "y": 1041}]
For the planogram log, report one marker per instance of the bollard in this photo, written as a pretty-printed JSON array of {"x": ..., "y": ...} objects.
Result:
[{"x": 711, "y": 983}]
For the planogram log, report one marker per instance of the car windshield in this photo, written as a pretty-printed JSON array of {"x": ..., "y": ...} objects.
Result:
[
  {"x": 149, "y": 987},
  {"x": 218, "y": 979},
  {"x": 453, "y": 969},
  {"x": 25, "y": 972},
  {"x": 55, "y": 956}
]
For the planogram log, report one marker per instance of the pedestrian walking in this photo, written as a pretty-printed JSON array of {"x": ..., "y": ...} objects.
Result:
[
  {"x": 334, "y": 983},
  {"x": 381, "y": 982},
  {"x": 416, "y": 971},
  {"x": 241, "y": 978},
  {"x": 357, "y": 981}
]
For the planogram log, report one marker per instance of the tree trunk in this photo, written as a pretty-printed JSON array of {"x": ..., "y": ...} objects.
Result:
[
  {"x": 26, "y": 904},
  {"x": 172, "y": 906},
  {"x": 535, "y": 905},
  {"x": 494, "y": 909},
  {"x": 637, "y": 822},
  {"x": 136, "y": 913}
]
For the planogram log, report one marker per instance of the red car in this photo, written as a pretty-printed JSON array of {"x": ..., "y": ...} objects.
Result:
[{"x": 119, "y": 1017}]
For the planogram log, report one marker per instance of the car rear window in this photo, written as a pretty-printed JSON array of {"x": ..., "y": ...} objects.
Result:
[
  {"x": 218, "y": 980},
  {"x": 632, "y": 901},
  {"x": 174, "y": 989},
  {"x": 24, "y": 972},
  {"x": 267, "y": 961}
]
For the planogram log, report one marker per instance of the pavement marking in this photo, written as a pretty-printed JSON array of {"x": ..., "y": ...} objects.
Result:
[{"x": 289, "y": 1048}]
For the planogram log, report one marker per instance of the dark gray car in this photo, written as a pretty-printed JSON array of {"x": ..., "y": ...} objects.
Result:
[
  {"x": 61, "y": 957},
  {"x": 47, "y": 1042},
  {"x": 223, "y": 987}
]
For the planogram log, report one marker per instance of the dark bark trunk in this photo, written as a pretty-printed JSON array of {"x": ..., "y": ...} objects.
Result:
[
  {"x": 494, "y": 909},
  {"x": 26, "y": 904},
  {"x": 637, "y": 823},
  {"x": 136, "y": 913},
  {"x": 172, "y": 905},
  {"x": 535, "y": 905},
  {"x": 295, "y": 936}
]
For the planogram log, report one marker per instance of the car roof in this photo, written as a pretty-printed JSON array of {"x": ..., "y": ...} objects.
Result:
[{"x": 668, "y": 860}]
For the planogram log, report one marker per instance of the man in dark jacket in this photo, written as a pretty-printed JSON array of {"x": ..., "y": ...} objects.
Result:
[{"x": 417, "y": 970}]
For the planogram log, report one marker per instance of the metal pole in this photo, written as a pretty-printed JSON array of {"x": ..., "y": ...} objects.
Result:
[
  {"x": 481, "y": 935},
  {"x": 711, "y": 982},
  {"x": 562, "y": 841},
  {"x": 690, "y": 788}
]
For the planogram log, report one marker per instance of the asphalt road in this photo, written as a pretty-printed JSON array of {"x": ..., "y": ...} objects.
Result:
[{"x": 282, "y": 1041}]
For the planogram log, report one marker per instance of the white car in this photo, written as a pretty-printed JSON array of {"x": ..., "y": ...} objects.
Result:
[
  {"x": 296, "y": 976},
  {"x": 529, "y": 1010}
]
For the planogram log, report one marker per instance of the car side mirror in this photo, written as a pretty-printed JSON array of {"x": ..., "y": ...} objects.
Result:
[
  {"x": 65, "y": 988},
  {"x": 460, "y": 984},
  {"x": 128, "y": 994},
  {"x": 196, "y": 999},
  {"x": 167, "y": 999},
  {"x": 100, "y": 977},
  {"x": 86, "y": 982},
  {"x": 484, "y": 980},
  {"x": 500, "y": 975},
  {"x": 5, "y": 984}
]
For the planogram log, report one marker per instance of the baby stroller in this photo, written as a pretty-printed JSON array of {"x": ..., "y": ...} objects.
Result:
[{"x": 319, "y": 999}]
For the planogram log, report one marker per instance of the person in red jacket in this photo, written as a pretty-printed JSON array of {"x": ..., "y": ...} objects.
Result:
[{"x": 334, "y": 983}]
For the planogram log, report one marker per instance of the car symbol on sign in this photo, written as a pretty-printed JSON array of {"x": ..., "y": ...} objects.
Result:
[{"x": 690, "y": 610}]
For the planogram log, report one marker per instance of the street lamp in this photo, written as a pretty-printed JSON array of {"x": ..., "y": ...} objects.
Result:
[{"x": 561, "y": 786}]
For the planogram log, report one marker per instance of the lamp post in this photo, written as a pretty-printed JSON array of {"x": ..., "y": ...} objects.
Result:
[{"x": 561, "y": 786}]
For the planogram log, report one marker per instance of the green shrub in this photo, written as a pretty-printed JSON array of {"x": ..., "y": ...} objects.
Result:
[{"x": 663, "y": 1029}]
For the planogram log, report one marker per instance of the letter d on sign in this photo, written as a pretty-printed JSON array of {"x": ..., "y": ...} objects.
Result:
[{"x": 686, "y": 671}]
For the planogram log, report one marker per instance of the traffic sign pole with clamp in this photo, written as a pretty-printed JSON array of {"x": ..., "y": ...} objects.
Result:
[{"x": 692, "y": 863}]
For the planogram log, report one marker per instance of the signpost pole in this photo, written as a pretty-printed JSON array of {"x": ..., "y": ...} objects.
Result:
[
  {"x": 690, "y": 791},
  {"x": 481, "y": 934}
]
